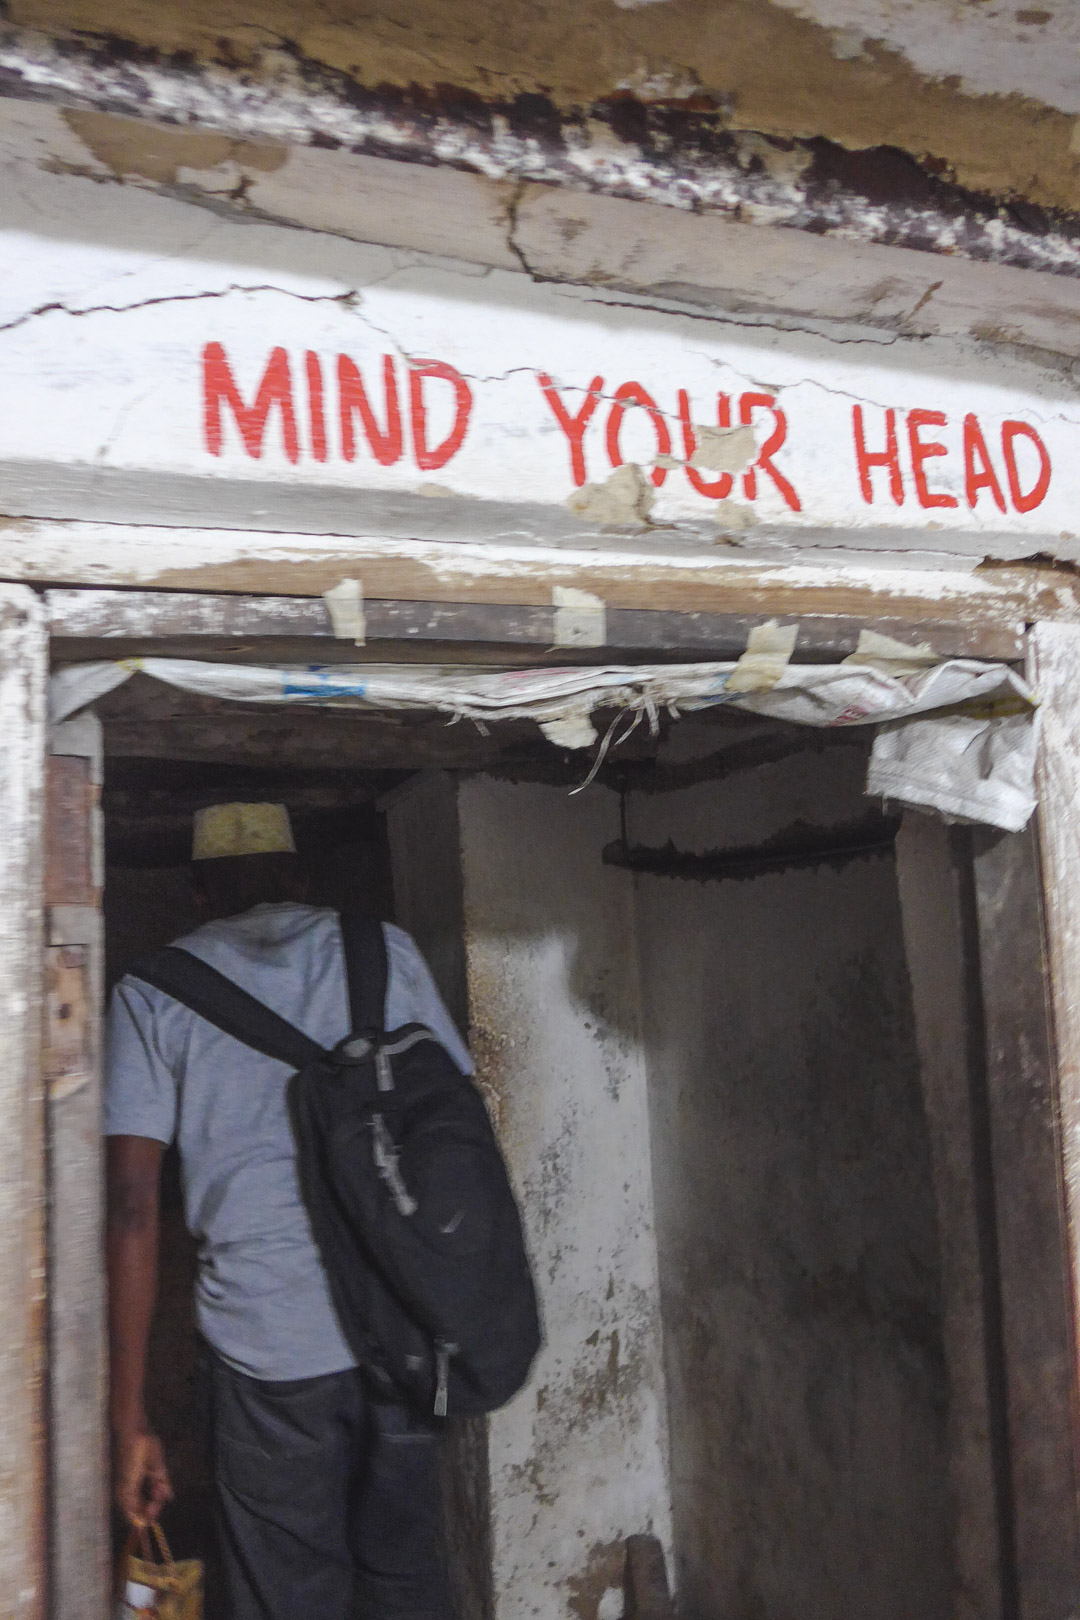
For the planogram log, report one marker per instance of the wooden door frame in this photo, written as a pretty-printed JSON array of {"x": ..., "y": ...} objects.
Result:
[
  {"x": 23, "y": 1537},
  {"x": 77, "y": 1490},
  {"x": 192, "y": 622}
]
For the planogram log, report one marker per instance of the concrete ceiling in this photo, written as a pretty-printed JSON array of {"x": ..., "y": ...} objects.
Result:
[{"x": 985, "y": 92}]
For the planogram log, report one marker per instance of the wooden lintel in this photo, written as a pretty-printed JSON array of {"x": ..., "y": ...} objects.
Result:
[{"x": 152, "y": 617}]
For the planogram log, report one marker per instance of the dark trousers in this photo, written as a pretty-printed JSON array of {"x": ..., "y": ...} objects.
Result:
[{"x": 328, "y": 1502}]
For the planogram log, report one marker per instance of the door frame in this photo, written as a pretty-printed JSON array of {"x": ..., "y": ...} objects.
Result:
[
  {"x": 976, "y": 621},
  {"x": 23, "y": 1534}
]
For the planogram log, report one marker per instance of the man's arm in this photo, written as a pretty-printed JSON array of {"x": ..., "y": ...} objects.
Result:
[{"x": 133, "y": 1175}]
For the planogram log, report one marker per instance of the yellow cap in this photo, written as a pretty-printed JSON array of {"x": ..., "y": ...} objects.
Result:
[{"x": 242, "y": 829}]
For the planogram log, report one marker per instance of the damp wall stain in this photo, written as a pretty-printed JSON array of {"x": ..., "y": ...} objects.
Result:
[
  {"x": 796, "y": 1225},
  {"x": 761, "y": 66},
  {"x": 159, "y": 154}
]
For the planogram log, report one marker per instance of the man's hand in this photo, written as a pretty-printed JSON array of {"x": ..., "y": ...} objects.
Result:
[{"x": 140, "y": 1477}]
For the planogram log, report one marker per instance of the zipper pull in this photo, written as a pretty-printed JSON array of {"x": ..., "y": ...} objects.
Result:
[
  {"x": 443, "y": 1352},
  {"x": 383, "y": 1072}
]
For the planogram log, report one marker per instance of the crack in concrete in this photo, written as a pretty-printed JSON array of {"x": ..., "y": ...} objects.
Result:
[
  {"x": 225, "y": 208},
  {"x": 781, "y": 326},
  {"x": 924, "y": 300},
  {"x": 864, "y": 399},
  {"x": 56, "y": 307},
  {"x": 348, "y": 300},
  {"x": 513, "y": 208},
  {"x": 119, "y": 424},
  {"x": 686, "y": 311}
]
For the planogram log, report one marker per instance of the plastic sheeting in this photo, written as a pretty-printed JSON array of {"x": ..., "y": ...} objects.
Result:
[{"x": 957, "y": 736}]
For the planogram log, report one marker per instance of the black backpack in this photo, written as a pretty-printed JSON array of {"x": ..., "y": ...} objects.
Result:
[{"x": 404, "y": 1184}]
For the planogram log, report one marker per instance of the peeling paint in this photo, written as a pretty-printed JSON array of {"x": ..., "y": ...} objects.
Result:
[
  {"x": 971, "y": 592},
  {"x": 850, "y": 139},
  {"x": 788, "y": 67},
  {"x": 160, "y": 154},
  {"x": 974, "y": 49},
  {"x": 734, "y": 517},
  {"x": 624, "y": 500},
  {"x": 723, "y": 450}
]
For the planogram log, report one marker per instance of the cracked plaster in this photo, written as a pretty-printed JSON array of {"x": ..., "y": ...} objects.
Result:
[
  {"x": 625, "y": 498},
  {"x": 142, "y": 263},
  {"x": 516, "y": 458},
  {"x": 670, "y": 261},
  {"x": 162, "y": 155}
]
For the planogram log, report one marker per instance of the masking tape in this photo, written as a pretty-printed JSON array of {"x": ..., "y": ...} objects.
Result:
[
  {"x": 570, "y": 730},
  {"x": 875, "y": 648},
  {"x": 580, "y": 619},
  {"x": 345, "y": 604},
  {"x": 769, "y": 648}
]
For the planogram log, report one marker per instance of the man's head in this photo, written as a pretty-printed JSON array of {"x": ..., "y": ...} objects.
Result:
[{"x": 243, "y": 855}]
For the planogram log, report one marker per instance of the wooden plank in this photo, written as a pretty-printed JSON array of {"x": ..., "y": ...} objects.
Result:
[
  {"x": 1055, "y": 670},
  {"x": 647, "y": 1593},
  {"x": 242, "y": 740},
  {"x": 425, "y": 854},
  {"x": 1037, "y": 1311},
  {"x": 68, "y": 877},
  {"x": 67, "y": 1057},
  {"x": 71, "y": 1065},
  {"x": 150, "y": 616},
  {"x": 22, "y": 1158},
  {"x": 821, "y": 638},
  {"x": 934, "y": 938},
  {"x": 136, "y": 616},
  {"x": 637, "y": 572}
]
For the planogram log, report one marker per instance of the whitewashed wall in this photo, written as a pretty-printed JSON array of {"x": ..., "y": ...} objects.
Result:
[
  {"x": 579, "y": 1459},
  {"x": 137, "y": 329}
]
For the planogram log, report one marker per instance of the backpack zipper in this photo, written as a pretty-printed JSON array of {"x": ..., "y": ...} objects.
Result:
[
  {"x": 383, "y": 1053},
  {"x": 443, "y": 1351},
  {"x": 383, "y": 1072}
]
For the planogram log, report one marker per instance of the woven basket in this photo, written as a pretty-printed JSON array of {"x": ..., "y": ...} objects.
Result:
[{"x": 177, "y": 1587}]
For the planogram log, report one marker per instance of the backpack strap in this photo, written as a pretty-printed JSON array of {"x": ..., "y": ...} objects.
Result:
[
  {"x": 190, "y": 980},
  {"x": 367, "y": 966}
]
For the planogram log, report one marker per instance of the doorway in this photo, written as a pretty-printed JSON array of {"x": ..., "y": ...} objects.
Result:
[
  {"x": 148, "y": 902},
  {"x": 754, "y": 1329}
]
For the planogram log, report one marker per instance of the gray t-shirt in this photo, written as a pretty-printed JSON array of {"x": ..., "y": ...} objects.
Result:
[{"x": 262, "y": 1297}]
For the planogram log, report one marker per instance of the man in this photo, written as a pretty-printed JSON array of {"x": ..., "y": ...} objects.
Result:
[{"x": 327, "y": 1500}]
